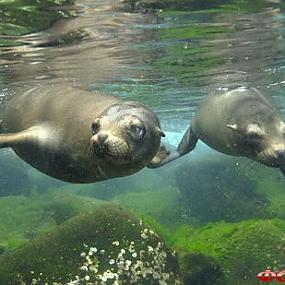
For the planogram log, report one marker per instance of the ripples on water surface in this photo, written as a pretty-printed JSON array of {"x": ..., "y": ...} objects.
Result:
[{"x": 168, "y": 61}]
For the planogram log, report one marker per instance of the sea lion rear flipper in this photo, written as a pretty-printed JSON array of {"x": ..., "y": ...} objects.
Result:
[
  {"x": 188, "y": 142},
  {"x": 164, "y": 156}
]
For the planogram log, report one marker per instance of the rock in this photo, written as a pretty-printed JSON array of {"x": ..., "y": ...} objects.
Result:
[
  {"x": 199, "y": 269},
  {"x": 107, "y": 246},
  {"x": 217, "y": 189},
  {"x": 241, "y": 249}
]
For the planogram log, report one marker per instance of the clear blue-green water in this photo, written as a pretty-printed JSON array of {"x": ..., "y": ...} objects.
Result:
[{"x": 227, "y": 211}]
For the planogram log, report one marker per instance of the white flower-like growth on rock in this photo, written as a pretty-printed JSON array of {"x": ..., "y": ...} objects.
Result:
[
  {"x": 128, "y": 262},
  {"x": 124, "y": 261}
]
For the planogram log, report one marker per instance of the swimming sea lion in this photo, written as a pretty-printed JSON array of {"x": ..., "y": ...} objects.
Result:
[
  {"x": 79, "y": 136},
  {"x": 241, "y": 122}
]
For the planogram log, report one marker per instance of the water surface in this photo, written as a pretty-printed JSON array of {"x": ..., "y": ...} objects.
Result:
[{"x": 168, "y": 60}]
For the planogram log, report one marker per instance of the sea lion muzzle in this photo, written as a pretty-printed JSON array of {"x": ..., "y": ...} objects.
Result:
[
  {"x": 273, "y": 156},
  {"x": 280, "y": 154},
  {"x": 99, "y": 145},
  {"x": 104, "y": 145},
  {"x": 278, "y": 157}
]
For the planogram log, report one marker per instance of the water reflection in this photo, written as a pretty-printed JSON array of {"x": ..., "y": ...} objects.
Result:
[
  {"x": 168, "y": 61},
  {"x": 82, "y": 50},
  {"x": 224, "y": 50}
]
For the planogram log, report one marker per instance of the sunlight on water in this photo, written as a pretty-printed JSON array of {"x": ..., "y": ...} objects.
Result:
[
  {"x": 217, "y": 211},
  {"x": 169, "y": 61}
]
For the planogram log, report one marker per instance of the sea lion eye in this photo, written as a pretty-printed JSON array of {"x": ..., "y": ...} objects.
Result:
[
  {"x": 94, "y": 127},
  {"x": 138, "y": 131},
  {"x": 253, "y": 135}
]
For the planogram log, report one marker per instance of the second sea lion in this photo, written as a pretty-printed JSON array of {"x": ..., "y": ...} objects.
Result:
[{"x": 241, "y": 122}]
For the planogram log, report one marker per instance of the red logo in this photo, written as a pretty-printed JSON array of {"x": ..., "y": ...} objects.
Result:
[{"x": 268, "y": 275}]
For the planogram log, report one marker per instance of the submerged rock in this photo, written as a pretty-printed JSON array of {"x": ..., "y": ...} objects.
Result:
[
  {"x": 199, "y": 269},
  {"x": 241, "y": 249},
  {"x": 218, "y": 189},
  {"x": 107, "y": 246}
]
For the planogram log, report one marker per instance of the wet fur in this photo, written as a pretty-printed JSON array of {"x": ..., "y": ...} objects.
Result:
[
  {"x": 222, "y": 121},
  {"x": 50, "y": 128}
]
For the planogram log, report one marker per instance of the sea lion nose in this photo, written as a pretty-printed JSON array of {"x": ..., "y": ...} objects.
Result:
[
  {"x": 280, "y": 153},
  {"x": 102, "y": 138}
]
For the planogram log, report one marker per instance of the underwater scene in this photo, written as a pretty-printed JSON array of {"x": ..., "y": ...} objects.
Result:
[{"x": 142, "y": 142}]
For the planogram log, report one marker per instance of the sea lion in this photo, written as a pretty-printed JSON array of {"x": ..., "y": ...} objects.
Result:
[
  {"x": 79, "y": 136},
  {"x": 241, "y": 122}
]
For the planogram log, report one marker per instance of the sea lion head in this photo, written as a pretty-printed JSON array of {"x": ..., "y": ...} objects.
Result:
[
  {"x": 127, "y": 133},
  {"x": 261, "y": 136}
]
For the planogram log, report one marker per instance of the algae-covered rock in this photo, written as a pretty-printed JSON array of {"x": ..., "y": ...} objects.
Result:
[
  {"x": 218, "y": 189},
  {"x": 270, "y": 183},
  {"x": 107, "y": 246},
  {"x": 199, "y": 269},
  {"x": 242, "y": 249}
]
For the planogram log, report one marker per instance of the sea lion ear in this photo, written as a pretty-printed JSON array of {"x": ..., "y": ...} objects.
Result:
[
  {"x": 254, "y": 129},
  {"x": 160, "y": 132},
  {"x": 233, "y": 127}
]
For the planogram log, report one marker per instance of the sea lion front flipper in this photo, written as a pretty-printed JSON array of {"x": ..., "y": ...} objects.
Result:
[
  {"x": 33, "y": 134},
  {"x": 188, "y": 142},
  {"x": 162, "y": 157},
  {"x": 12, "y": 139}
]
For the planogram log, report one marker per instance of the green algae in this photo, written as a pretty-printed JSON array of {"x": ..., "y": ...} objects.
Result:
[
  {"x": 194, "y": 5},
  {"x": 187, "y": 51},
  {"x": 23, "y": 218},
  {"x": 21, "y": 17},
  {"x": 19, "y": 217},
  {"x": 243, "y": 249}
]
